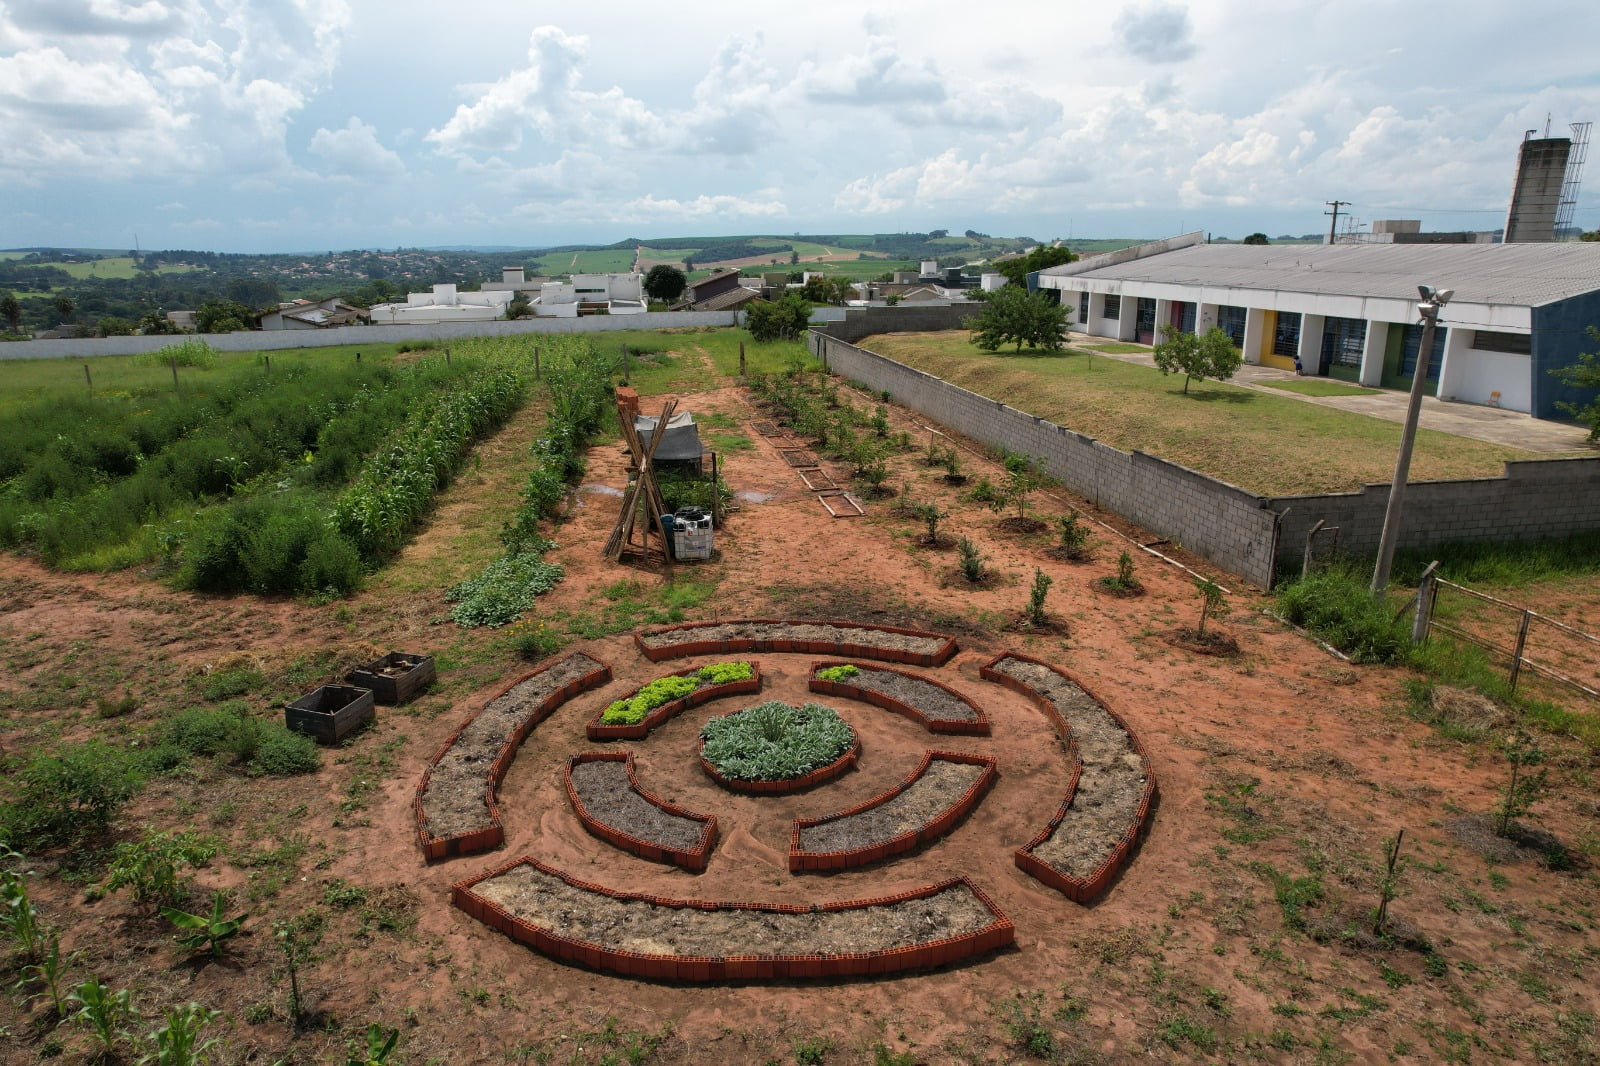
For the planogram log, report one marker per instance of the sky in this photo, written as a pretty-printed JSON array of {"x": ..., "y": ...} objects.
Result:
[{"x": 306, "y": 125}]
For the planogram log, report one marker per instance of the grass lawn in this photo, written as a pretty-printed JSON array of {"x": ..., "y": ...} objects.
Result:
[
  {"x": 1257, "y": 441},
  {"x": 1319, "y": 387}
]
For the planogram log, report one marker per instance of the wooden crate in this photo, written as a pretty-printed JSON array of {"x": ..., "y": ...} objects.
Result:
[
  {"x": 330, "y": 713},
  {"x": 389, "y": 686}
]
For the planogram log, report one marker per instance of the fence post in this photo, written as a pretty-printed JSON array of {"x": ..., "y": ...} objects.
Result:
[
  {"x": 1522, "y": 642},
  {"x": 1305, "y": 560},
  {"x": 1427, "y": 589},
  {"x": 86, "y": 378}
]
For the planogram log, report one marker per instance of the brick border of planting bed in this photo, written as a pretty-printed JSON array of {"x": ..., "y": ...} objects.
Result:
[
  {"x": 802, "y": 861},
  {"x": 699, "y": 968},
  {"x": 492, "y": 835},
  {"x": 787, "y": 785},
  {"x": 693, "y": 859},
  {"x": 736, "y": 645},
  {"x": 598, "y": 731},
  {"x": 1078, "y": 889},
  {"x": 976, "y": 727}
]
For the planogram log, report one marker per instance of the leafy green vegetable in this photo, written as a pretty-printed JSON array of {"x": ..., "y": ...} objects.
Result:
[
  {"x": 774, "y": 741},
  {"x": 723, "y": 673},
  {"x": 837, "y": 673}
]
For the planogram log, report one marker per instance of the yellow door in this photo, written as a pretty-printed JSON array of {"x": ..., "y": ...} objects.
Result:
[{"x": 1269, "y": 333}]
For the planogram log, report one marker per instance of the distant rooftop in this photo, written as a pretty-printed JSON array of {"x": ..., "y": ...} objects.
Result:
[{"x": 1526, "y": 275}]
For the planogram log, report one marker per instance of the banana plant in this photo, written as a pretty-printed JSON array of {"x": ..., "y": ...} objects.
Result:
[{"x": 206, "y": 931}]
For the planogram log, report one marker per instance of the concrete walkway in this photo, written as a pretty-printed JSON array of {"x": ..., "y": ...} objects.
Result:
[{"x": 1495, "y": 425}]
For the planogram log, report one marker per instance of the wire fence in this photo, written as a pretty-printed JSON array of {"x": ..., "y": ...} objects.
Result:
[{"x": 1529, "y": 642}]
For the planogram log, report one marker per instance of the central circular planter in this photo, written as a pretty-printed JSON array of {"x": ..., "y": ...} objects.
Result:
[{"x": 776, "y": 747}]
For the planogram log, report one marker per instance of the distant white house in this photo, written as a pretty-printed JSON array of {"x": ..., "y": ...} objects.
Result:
[
  {"x": 590, "y": 294},
  {"x": 311, "y": 314},
  {"x": 443, "y": 304}
]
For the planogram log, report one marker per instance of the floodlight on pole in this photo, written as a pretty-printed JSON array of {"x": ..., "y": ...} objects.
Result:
[{"x": 1428, "y": 308}]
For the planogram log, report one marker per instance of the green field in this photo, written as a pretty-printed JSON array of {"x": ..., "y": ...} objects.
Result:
[
  {"x": 603, "y": 261},
  {"x": 1246, "y": 437},
  {"x": 117, "y": 267}
]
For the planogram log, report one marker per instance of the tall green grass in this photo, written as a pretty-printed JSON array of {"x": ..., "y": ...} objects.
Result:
[{"x": 1505, "y": 563}]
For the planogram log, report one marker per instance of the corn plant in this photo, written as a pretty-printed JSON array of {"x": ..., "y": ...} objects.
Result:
[
  {"x": 207, "y": 931},
  {"x": 108, "y": 1014},
  {"x": 177, "y": 1041},
  {"x": 380, "y": 1045},
  {"x": 50, "y": 972},
  {"x": 19, "y": 918}
]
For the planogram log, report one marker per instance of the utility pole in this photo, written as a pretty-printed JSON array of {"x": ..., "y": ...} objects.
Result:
[
  {"x": 1432, "y": 300},
  {"x": 1333, "y": 227}
]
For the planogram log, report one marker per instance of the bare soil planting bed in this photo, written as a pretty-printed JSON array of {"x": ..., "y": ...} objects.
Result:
[
  {"x": 765, "y": 633},
  {"x": 607, "y": 793},
  {"x": 455, "y": 799},
  {"x": 650, "y": 928},
  {"x": 1105, "y": 806},
  {"x": 930, "y": 703},
  {"x": 933, "y": 794}
]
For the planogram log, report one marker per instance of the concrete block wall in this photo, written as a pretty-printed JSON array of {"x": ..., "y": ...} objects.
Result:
[
  {"x": 1250, "y": 535},
  {"x": 1225, "y": 524},
  {"x": 860, "y": 322},
  {"x": 1534, "y": 500},
  {"x": 275, "y": 340}
]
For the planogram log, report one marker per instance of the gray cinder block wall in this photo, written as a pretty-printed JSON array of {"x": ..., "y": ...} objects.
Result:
[{"x": 1247, "y": 534}]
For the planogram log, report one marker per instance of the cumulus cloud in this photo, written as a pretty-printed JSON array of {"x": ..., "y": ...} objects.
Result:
[
  {"x": 355, "y": 152},
  {"x": 545, "y": 97},
  {"x": 176, "y": 90},
  {"x": 1157, "y": 32}
]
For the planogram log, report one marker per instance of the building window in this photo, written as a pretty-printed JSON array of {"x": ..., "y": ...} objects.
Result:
[
  {"x": 1113, "y": 307},
  {"x": 1342, "y": 341},
  {"x": 1286, "y": 337},
  {"x": 1230, "y": 320},
  {"x": 1486, "y": 340},
  {"x": 1083, "y": 307}
]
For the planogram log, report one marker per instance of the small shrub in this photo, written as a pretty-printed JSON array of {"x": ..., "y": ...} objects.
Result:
[
  {"x": 1035, "y": 612},
  {"x": 106, "y": 707},
  {"x": 284, "y": 753},
  {"x": 880, "y": 422},
  {"x": 972, "y": 567},
  {"x": 191, "y": 351},
  {"x": 812, "y": 1051},
  {"x": 1213, "y": 602},
  {"x": 1074, "y": 538},
  {"x": 70, "y": 796},
  {"x": 533, "y": 638},
  {"x": 149, "y": 865},
  {"x": 930, "y": 515},
  {"x": 226, "y": 684},
  {"x": 1526, "y": 785}
]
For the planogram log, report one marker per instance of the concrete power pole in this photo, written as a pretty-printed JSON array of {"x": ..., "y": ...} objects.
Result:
[
  {"x": 1432, "y": 300},
  {"x": 1333, "y": 227}
]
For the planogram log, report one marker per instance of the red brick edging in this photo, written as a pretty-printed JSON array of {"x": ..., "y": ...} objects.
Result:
[
  {"x": 693, "y": 859},
  {"x": 788, "y": 784},
  {"x": 801, "y": 861},
  {"x": 997, "y": 934},
  {"x": 976, "y": 727},
  {"x": 737, "y": 645},
  {"x": 1078, "y": 889},
  {"x": 597, "y": 730},
  {"x": 491, "y": 836}
]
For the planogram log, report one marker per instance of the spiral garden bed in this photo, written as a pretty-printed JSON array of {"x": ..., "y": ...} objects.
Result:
[
  {"x": 701, "y": 940},
  {"x": 1106, "y": 809},
  {"x": 609, "y": 801},
  {"x": 936, "y": 706},
  {"x": 1081, "y": 851},
  {"x": 911, "y": 646},
  {"x": 940, "y": 792},
  {"x": 455, "y": 804}
]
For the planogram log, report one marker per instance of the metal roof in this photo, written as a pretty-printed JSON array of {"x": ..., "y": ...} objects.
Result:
[{"x": 1522, "y": 275}]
